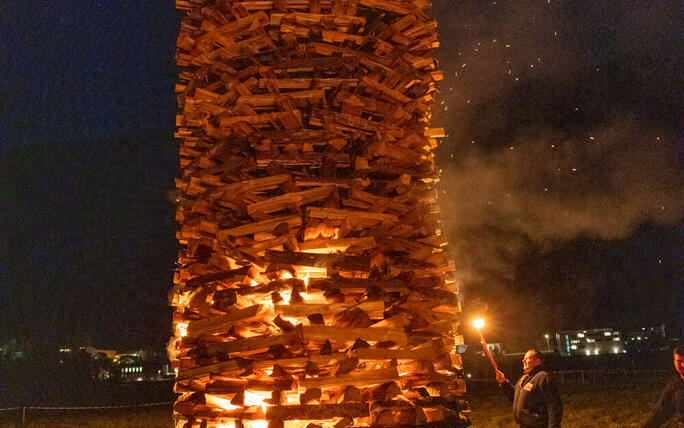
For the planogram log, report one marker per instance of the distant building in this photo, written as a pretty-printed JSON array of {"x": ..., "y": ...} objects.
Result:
[
  {"x": 96, "y": 353},
  {"x": 495, "y": 348},
  {"x": 589, "y": 342},
  {"x": 142, "y": 365},
  {"x": 646, "y": 339},
  {"x": 610, "y": 341},
  {"x": 130, "y": 367}
]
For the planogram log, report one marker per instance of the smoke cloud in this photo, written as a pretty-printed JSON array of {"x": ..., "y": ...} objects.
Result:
[
  {"x": 547, "y": 189},
  {"x": 562, "y": 120}
]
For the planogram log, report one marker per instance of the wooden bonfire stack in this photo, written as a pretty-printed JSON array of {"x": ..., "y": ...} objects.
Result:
[{"x": 313, "y": 287}]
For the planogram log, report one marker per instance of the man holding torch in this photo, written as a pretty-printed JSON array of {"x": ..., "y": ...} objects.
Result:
[{"x": 535, "y": 397}]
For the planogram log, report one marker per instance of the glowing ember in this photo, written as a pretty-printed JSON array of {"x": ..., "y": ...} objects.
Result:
[
  {"x": 286, "y": 275},
  {"x": 182, "y": 329}
]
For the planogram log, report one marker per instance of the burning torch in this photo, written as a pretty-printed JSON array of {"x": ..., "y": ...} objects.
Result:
[{"x": 478, "y": 324}]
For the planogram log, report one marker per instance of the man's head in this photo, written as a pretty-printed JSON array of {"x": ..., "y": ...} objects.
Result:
[
  {"x": 678, "y": 355},
  {"x": 531, "y": 360}
]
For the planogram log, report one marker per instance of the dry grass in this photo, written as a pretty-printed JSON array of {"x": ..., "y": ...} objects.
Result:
[
  {"x": 605, "y": 406},
  {"x": 145, "y": 418}
]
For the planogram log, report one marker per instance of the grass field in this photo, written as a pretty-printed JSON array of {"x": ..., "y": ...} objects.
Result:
[
  {"x": 586, "y": 406},
  {"x": 146, "y": 418}
]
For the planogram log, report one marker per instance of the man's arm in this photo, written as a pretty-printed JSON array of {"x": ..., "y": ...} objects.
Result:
[
  {"x": 505, "y": 385},
  {"x": 664, "y": 410}
]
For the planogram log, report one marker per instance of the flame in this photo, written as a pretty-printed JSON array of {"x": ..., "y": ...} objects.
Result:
[
  {"x": 252, "y": 283},
  {"x": 286, "y": 295},
  {"x": 216, "y": 401},
  {"x": 255, "y": 424},
  {"x": 306, "y": 283},
  {"x": 257, "y": 399},
  {"x": 182, "y": 329},
  {"x": 294, "y": 321}
]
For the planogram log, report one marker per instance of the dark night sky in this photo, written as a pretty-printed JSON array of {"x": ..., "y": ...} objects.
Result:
[{"x": 560, "y": 188}]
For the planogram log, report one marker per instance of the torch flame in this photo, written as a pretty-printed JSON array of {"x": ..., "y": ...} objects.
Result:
[{"x": 478, "y": 323}]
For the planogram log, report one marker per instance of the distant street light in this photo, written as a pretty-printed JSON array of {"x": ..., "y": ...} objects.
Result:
[{"x": 548, "y": 345}]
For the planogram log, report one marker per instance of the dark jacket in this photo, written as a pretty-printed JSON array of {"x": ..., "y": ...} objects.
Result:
[
  {"x": 671, "y": 403},
  {"x": 536, "y": 400}
]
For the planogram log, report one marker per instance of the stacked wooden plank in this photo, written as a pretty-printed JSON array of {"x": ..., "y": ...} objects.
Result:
[{"x": 313, "y": 288}]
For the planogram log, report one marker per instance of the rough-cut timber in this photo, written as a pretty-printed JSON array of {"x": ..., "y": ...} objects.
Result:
[{"x": 313, "y": 286}]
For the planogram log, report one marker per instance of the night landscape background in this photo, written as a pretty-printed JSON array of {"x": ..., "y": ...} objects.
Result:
[{"x": 560, "y": 188}]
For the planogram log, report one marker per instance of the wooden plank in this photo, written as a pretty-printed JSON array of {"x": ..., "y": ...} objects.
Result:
[
  {"x": 341, "y": 214},
  {"x": 315, "y": 19},
  {"x": 373, "y": 308},
  {"x": 256, "y": 343},
  {"x": 347, "y": 334},
  {"x": 264, "y": 100},
  {"x": 307, "y": 83},
  {"x": 282, "y": 202},
  {"x": 328, "y": 261},
  {"x": 332, "y": 245},
  {"x": 221, "y": 322},
  {"x": 389, "y": 92},
  {"x": 237, "y": 274},
  {"x": 399, "y": 354},
  {"x": 254, "y": 185},
  {"x": 317, "y": 411},
  {"x": 222, "y": 367},
  {"x": 358, "y": 379},
  {"x": 259, "y": 226}
]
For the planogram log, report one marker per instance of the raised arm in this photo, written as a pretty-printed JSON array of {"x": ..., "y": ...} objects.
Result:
[{"x": 505, "y": 385}]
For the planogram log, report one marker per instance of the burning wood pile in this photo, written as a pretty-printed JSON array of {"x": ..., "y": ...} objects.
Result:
[{"x": 313, "y": 287}]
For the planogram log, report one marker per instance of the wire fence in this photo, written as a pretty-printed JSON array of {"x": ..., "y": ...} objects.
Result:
[
  {"x": 127, "y": 406},
  {"x": 592, "y": 376}
]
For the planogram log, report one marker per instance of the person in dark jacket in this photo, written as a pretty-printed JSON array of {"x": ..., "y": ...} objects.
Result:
[
  {"x": 535, "y": 396},
  {"x": 671, "y": 401}
]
